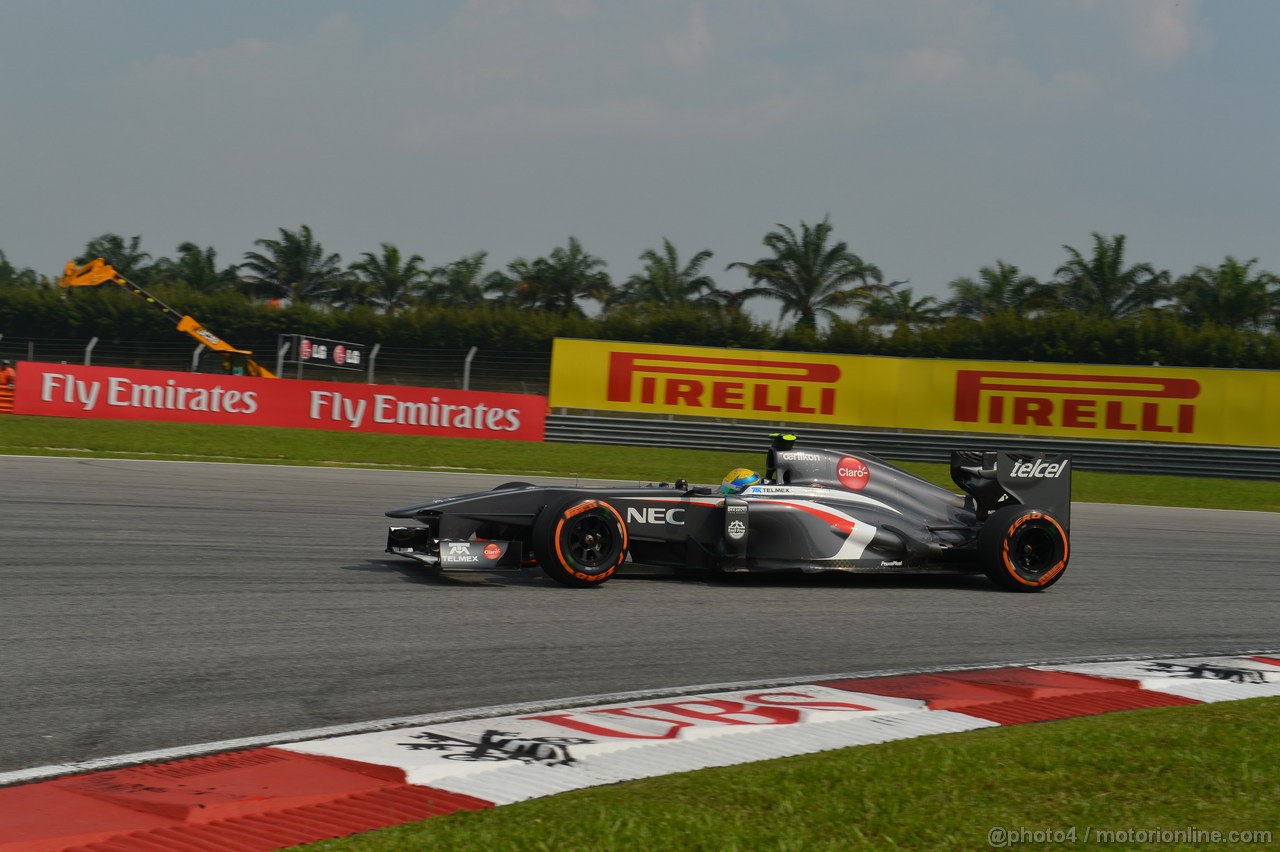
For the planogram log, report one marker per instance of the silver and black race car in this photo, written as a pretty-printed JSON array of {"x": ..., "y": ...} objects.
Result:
[{"x": 813, "y": 510}]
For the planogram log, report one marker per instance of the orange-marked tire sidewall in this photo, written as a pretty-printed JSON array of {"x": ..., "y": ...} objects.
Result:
[
  {"x": 1015, "y": 562},
  {"x": 554, "y": 532},
  {"x": 1057, "y": 568}
]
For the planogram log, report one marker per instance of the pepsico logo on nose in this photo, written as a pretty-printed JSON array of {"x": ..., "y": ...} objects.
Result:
[{"x": 853, "y": 474}]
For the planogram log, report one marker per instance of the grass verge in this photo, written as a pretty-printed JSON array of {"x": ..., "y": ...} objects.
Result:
[{"x": 261, "y": 444}]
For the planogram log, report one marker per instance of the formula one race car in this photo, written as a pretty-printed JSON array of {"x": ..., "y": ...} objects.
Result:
[{"x": 814, "y": 510}]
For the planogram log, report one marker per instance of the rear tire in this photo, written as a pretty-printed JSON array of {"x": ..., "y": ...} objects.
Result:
[
  {"x": 580, "y": 542},
  {"x": 1023, "y": 549}
]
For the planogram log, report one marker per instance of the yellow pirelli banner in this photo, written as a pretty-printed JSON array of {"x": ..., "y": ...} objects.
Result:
[{"x": 1174, "y": 404}]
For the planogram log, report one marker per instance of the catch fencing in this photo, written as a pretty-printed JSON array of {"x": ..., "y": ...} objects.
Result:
[
  {"x": 528, "y": 373},
  {"x": 459, "y": 369}
]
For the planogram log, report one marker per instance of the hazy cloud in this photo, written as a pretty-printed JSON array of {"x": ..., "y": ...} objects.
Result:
[{"x": 940, "y": 135}]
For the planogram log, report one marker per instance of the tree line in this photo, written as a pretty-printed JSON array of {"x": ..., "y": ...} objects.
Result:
[{"x": 1097, "y": 306}]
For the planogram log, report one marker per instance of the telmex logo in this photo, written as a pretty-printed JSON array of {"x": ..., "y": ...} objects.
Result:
[
  {"x": 736, "y": 384},
  {"x": 1072, "y": 401}
]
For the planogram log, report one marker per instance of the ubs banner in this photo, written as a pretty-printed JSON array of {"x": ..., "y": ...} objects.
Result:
[
  {"x": 60, "y": 390},
  {"x": 1204, "y": 406}
]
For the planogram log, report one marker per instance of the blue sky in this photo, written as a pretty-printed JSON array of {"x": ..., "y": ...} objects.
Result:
[{"x": 938, "y": 135}]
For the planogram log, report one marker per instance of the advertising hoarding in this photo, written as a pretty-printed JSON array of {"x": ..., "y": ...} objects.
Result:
[
  {"x": 61, "y": 390},
  {"x": 1173, "y": 404}
]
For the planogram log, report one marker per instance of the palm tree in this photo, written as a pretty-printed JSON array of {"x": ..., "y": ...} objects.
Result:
[
  {"x": 666, "y": 282},
  {"x": 555, "y": 283},
  {"x": 196, "y": 268},
  {"x": 1102, "y": 286},
  {"x": 462, "y": 283},
  {"x": 999, "y": 288},
  {"x": 731, "y": 302},
  {"x": 809, "y": 277},
  {"x": 128, "y": 258},
  {"x": 386, "y": 281},
  {"x": 900, "y": 308},
  {"x": 1228, "y": 295},
  {"x": 293, "y": 267}
]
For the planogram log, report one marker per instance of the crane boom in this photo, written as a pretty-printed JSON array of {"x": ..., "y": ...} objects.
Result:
[{"x": 100, "y": 272}]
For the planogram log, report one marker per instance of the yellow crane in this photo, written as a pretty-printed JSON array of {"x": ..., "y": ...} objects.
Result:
[{"x": 100, "y": 272}]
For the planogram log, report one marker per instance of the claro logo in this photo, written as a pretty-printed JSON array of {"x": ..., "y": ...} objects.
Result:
[
  {"x": 733, "y": 384},
  {"x": 853, "y": 473},
  {"x": 1073, "y": 401}
]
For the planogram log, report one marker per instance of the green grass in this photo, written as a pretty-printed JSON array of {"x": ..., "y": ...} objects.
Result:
[
  {"x": 1210, "y": 767},
  {"x": 260, "y": 444}
]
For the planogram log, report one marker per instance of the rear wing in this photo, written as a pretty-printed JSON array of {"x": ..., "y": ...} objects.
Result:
[{"x": 1001, "y": 478}]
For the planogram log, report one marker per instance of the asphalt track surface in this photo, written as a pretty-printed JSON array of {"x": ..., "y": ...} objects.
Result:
[{"x": 150, "y": 605}]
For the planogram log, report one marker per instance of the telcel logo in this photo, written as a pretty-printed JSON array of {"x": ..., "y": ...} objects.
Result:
[
  {"x": 654, "y": 515},
  {"x": 1037, "y": 469}
]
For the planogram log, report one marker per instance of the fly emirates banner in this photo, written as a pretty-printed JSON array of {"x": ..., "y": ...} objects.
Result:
[
  {"x": 60, "y": 390},
  {"x": 1174, "y": 404}
]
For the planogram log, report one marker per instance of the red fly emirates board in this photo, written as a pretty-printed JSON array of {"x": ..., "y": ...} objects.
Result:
[{"x": 60, "y": 390}]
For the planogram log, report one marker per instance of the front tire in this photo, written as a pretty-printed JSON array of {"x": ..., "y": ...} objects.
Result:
[
  {"x": 1023, "y": 549},
  {"x": 580, "y": 543}
]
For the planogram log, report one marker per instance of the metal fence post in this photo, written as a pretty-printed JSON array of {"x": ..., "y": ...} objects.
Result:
[
  {"x": 195, "y": 358},
  {"x": 466, "y": 369},
  {"x": 88, "y": 351},
  {"x": 282, "y": 348},
  {"x": 373, "y": 356}
]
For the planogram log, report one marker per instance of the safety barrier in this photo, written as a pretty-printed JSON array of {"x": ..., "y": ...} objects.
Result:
[
  {"x": 1114, "y": 456},
  {"x": 6, "y": 400}
]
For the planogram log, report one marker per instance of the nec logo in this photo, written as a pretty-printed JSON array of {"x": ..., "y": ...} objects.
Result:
[
  {"x": 1076, "y": 401},
  {"x": 734, "y": 384},
  {"x": 654, "y": 515}
]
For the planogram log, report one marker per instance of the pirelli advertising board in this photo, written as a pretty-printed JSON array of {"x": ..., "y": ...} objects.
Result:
[{"x": 1201, "y": 406}]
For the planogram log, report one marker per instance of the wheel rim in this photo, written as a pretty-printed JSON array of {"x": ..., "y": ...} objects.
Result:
[
  {"x": 591, "y": 543},
  {"x": 1034, "y": 551}
]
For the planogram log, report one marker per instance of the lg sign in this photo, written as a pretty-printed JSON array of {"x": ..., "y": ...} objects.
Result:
[
  {"x": 325, "y": 353},
  {"x": 853, "y": 474}
]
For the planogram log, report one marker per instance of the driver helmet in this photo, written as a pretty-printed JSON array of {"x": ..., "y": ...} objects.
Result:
[{"x": 738, "y": 480}]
